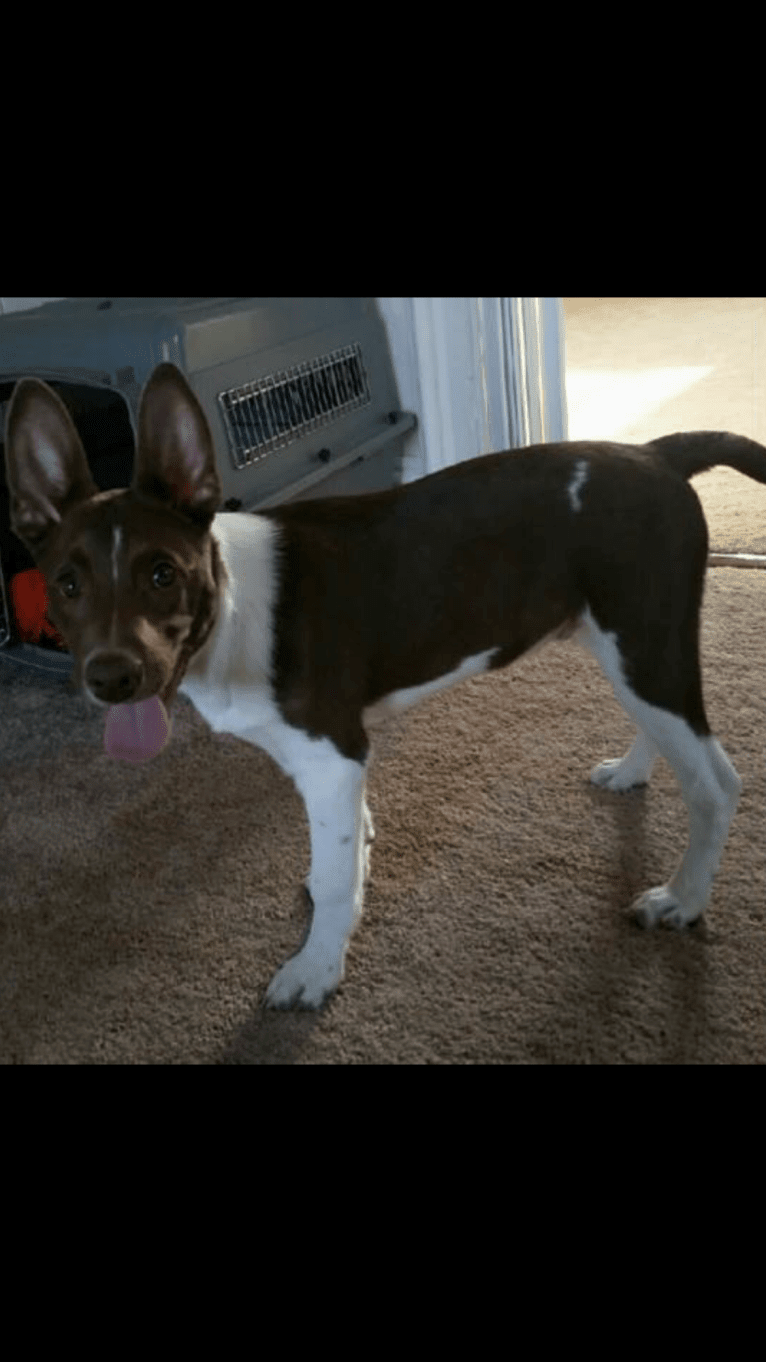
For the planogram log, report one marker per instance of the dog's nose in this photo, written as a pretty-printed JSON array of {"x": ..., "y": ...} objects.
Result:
[{"x": 113, "y": 677}]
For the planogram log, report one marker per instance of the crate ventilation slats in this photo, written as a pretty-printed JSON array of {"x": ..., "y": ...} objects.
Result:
[{"x": 275, "y": 410}]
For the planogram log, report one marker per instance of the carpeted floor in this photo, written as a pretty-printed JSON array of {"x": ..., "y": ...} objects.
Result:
[{"x": 143, "y": 910}]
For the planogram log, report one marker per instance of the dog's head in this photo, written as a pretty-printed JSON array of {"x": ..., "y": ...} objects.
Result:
[{"x": 132, "y": 575}]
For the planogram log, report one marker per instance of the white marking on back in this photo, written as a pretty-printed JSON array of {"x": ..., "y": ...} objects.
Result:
[
  {"x": 579, "y": 479},
  {"x": 412, "y": 695}
]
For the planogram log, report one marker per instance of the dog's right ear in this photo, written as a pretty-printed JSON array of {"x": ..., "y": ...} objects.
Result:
[
  {"x": 46, "y": 468},
  {"x": 175, "y": 458}
]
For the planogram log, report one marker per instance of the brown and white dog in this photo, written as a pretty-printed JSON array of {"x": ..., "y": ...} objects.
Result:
[{"x": 294, "y": 626}]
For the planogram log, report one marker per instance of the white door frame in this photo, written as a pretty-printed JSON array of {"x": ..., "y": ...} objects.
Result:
[{"x": 482, "y": 374}]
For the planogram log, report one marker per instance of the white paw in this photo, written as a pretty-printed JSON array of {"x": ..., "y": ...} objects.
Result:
[
  {"x": 306, "y": 980},
  {"x": 661, "y": 905},
  {"x": 615, "y": 775}
]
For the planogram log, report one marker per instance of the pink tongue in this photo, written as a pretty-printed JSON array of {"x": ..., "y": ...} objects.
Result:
[{"x": 137, "y": 732}]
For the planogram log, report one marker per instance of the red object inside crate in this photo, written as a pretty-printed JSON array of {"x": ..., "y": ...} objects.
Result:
[{"x": 29, "y": 600}]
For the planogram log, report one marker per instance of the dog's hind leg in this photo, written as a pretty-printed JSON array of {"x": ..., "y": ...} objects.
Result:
[
  {"x": 635, "y": 768},
  {"x": 709, "y": 783},
  {"x": 710, "y": 787}
]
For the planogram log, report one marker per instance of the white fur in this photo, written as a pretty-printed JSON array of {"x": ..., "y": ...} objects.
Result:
[
  {"x": 229, "y": 679},
  {"x": 411, "y": 695},
  {"x": 333, "y": 790},
  {"x": 579, "y": 479},
  {"x": 709, "y": 784},
  {"x": 624, "y": 773}
]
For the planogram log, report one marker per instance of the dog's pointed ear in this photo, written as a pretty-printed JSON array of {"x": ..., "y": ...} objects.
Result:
[
  {"x": 46, "y": 467},
  {"x": 175, "y": 460}
]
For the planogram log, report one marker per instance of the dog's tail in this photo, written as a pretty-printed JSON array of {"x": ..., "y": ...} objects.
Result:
[{"x": 695, "y": 451}]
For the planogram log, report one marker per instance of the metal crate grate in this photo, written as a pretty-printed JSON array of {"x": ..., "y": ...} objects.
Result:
[{"x": 271, "y": 412}]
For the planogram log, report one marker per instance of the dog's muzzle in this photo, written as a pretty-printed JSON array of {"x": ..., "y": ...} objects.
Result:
[{"x": 136, "y": 730}]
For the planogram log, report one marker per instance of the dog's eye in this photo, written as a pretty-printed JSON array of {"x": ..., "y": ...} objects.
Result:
[
  {"x": 68, "y": 585},
  {"x": 164, "y": 575}
]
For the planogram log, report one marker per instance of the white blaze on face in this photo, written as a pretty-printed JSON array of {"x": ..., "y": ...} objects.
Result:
[
  {"x": 116, "y": 550},
  {"x": 116, "y": 546}
]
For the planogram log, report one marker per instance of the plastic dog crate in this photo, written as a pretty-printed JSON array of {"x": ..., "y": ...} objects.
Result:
[{"x": 299, "y": 393}]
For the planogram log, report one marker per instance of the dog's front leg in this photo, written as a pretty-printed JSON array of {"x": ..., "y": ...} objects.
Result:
[{"x": 333, "y": 790}]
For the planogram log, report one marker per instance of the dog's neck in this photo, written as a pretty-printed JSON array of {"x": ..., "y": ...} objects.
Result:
[{"x": 244, "y": 556}]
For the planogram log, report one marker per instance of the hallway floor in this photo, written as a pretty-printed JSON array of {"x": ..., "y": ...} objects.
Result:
[{"x": 642, "y": 367}]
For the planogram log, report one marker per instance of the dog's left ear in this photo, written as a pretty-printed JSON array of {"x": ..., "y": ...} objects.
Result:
[
  {"x": 175, "y": 458},
  {"x": 45, "y": 462}
]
